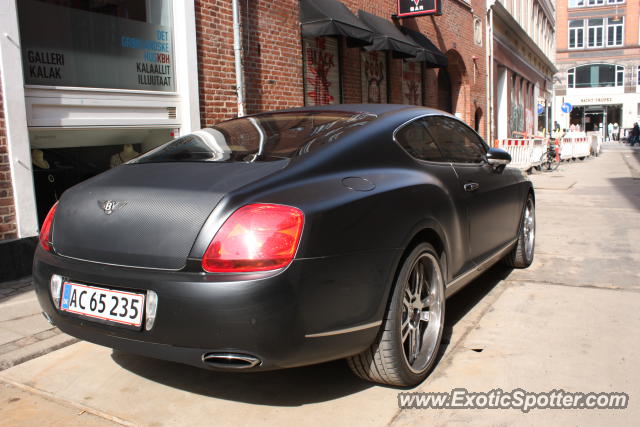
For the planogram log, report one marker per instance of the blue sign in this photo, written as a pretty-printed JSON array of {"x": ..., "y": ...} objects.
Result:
[
  {"x": 566, "y": 107},
  {"x": 540, "y": 108}
]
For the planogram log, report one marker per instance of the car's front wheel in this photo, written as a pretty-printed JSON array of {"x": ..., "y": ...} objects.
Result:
[{"x": 407, "y": 347}]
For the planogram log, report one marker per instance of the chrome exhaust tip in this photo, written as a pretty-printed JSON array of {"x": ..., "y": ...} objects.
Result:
[{"x": 230, "y": 360}]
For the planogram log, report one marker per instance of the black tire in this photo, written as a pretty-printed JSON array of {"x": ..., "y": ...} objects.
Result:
[
  {"x": 386, "y": 361},
  {"x": 521, "y": 256}
]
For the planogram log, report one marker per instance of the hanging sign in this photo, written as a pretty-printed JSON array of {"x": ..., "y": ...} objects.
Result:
[{"x": 408, "y": 8}]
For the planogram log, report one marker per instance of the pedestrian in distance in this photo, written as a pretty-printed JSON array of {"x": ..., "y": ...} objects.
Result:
[
  {"x": 610, "y": 131},
  {"x": 616, "y": 132},
  {"x": 634, "y": 138}
]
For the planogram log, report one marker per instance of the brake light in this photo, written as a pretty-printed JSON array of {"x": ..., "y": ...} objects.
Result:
[
  {"x": 256, "y": 237},
  {"x": 45, "y": 231}
]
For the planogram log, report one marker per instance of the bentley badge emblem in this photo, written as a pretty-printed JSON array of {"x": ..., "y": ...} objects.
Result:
[{"x": 108, "y": 206}]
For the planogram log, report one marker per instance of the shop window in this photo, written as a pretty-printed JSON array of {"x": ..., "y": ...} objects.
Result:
[
  {"x": 615, "y": 31},
  {"x": 321, "y": 71},
  {"x": 374, "y": 77},
  {"x": 62, "y": 158},
  {"x": 638, "y": 82},
  {"x": 576, "y": 34},
  {"x": 412, "y": 83},
  {"x": 116, "y": 44},
  {"x": 595, "y": 32},
  {"x": 595, "y": 75}
]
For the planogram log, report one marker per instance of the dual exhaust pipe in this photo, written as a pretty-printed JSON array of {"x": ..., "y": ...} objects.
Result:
[{"x": 230, "y": 360}]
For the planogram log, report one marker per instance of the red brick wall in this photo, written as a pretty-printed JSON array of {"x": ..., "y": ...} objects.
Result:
[
  {"x": 273, "y": 56},
  {"x": 8, "y": 226}
]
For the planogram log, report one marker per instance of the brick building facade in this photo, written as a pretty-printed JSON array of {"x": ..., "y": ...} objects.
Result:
[
  {"x": 274, "y": 64},
  {"x": 598, "y": 53},
  {"x": 7, "y": 208}
]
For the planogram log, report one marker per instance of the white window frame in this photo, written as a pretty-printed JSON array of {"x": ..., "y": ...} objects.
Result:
[
  {"x": 619, "y": 72},
  {"x": 576, "y": 30},
  {"x": 600, "y": 27},
  {"x": 574, "y": 4},
  {"x": 615, "y": 26}
]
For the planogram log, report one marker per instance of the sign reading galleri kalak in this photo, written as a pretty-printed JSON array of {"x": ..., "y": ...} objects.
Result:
[
  {"x": 407, "y": 8},
  {"x": 321, "y": 71},
  {"x": 63, "y": 46}
]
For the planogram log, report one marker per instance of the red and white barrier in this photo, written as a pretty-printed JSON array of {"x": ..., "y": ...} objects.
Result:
[{"x": 527, "y": 153}]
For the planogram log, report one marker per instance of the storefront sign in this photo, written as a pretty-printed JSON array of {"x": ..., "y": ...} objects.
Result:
[
  {"x": 595, "y": 100},
  {"x": 65, "y": 46},
  {"x": 407, "y": 8},
  {"x": 374, "y": 77},
  {"x": 321, "y": 71},
  {"x": 412, "y": 83}
]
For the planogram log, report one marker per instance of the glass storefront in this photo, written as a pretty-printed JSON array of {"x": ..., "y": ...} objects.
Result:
[
  {"x": 62, "y": 158},
  {"x": 118, "y": 44}
]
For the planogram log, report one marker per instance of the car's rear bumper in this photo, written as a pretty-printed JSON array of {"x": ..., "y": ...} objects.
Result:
[{"x": 303, "y": 315}]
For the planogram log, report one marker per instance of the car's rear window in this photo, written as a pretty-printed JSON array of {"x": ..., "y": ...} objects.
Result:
[{"x": 259, "y": 138}]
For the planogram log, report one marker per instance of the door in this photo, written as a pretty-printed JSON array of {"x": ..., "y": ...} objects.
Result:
[
  {"x": 491, "y": 198},
  {"x": 439, "y": 204}
]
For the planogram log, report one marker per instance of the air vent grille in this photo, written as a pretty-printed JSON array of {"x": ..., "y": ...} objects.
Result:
[{"x": 171, "y": 112}]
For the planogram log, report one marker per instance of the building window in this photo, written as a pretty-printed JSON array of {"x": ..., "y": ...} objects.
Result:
[
  {"x": 321, "y": 71},
  {"x": 595, "y": 32},
  {"x": 596, "y": 2},
  {"x": 412, "y": 83},
  {"x": 595, "y": 75},
  {"x": 576, "y": 3},
  {"x": 576, "y": 34},
  {"x": 615, "y": 1},
  {"x": 115, "y": 44},
  {"x": 638, "y": 75},
  {"x": 374, "y": 77},
  {"x": 615, "y": 31}
]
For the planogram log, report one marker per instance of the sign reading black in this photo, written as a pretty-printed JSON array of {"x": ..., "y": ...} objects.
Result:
[{"x": 407, "y": 8}]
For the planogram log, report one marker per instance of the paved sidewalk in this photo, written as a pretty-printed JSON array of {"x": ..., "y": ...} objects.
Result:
[
  {"x": 24, "y": 332},
  {"x": 568, "y": 322}
]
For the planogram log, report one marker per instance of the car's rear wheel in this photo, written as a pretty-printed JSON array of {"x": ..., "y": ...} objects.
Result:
[
  {"x": 407, "y": 347},
  {"x": 521, "y": 256}
]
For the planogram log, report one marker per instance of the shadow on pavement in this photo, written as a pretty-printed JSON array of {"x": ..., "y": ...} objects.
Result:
[
  {"x": 297, "y": 386},
  {"x": 630, "y": 187}
]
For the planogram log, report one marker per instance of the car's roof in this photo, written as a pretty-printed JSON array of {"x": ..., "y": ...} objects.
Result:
[{"x": 378, "y": 109}]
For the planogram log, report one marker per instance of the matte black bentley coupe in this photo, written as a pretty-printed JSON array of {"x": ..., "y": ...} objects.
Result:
[{"x": 285, "y": 239}]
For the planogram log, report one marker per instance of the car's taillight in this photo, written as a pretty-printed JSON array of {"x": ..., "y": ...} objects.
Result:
[
  {"x": 45, "y": 231},
  {"x": 256, "y": 237}
]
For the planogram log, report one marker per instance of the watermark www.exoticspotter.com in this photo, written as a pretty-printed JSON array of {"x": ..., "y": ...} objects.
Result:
[{"x": 461, "y": 398}]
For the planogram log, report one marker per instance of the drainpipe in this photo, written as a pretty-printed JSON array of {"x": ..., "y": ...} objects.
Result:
[
  {"x": 490, "y": 71},
  {"x": 237, "y": 50}
]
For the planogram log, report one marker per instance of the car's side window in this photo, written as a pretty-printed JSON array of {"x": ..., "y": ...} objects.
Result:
[
  {"x": 457, "y": 143},
  {"x": 417, "y": 141}
]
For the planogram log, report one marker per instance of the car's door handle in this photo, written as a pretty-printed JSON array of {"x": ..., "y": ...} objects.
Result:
[{"x": 471, "y": 186}]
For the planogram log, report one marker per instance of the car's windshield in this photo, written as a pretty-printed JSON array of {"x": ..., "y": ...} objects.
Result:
[{"x": 263, "y": 137}]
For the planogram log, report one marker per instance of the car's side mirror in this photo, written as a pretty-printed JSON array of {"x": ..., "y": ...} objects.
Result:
[{"x": 498, "y": 158}]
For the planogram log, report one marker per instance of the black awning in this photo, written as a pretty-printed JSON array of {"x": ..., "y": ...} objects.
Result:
[
  {"x": 433, "y": 56},
  {"x": 320, "y": 18},
  {"x": 388, "y": 37}
]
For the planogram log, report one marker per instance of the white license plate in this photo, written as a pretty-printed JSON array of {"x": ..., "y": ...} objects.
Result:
[{"x": 105, "y": 304}]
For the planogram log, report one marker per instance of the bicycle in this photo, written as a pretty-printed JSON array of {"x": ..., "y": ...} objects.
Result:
[{"x": 551, "y": 158}]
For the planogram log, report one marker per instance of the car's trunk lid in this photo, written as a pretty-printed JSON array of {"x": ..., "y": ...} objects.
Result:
[{"x": 147, "y": 215}]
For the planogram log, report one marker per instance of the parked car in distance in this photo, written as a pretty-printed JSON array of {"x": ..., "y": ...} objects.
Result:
[{"x": 285, "y": 239}]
